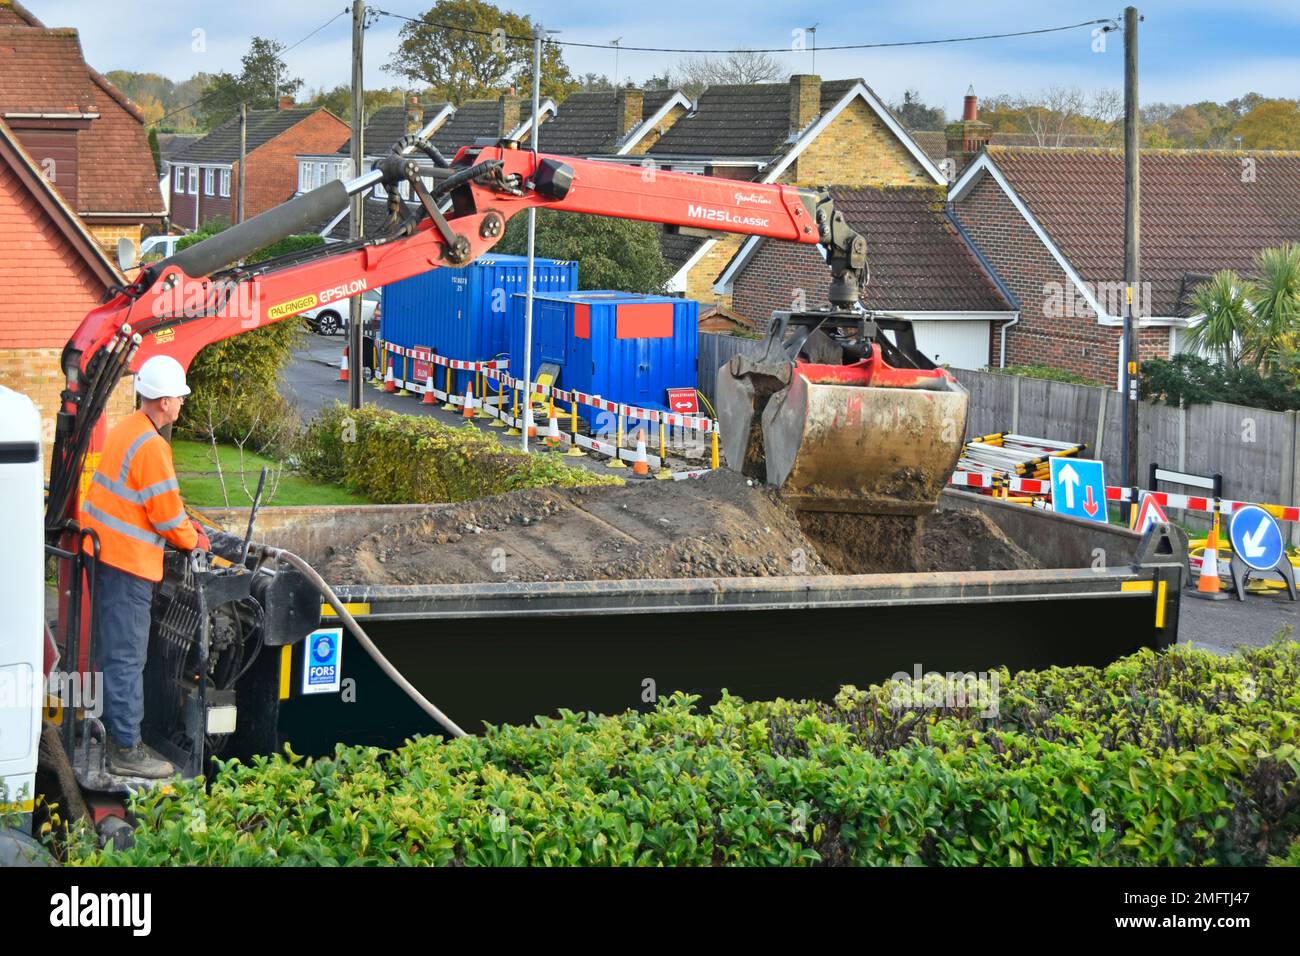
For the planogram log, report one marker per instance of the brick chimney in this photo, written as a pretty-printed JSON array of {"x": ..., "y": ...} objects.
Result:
[
  {"x": 285, "y": 102},
  {"x": 629, "y": 106},
  {"x": 414, "y": 115},
  {"x": 968, "y": 136},
  {"x": 509, "y": 116},
  {"x": 805, "y": 100}
]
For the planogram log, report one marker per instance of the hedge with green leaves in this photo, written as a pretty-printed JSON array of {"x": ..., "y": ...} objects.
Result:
[
  {"x": 1175, "y": 758},
  {"x": 393, "y": 458}
]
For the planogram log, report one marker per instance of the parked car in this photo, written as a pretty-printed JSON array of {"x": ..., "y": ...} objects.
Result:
[
  {"x": 161, "y": 247},
  {"x": 333, "y": 318}
]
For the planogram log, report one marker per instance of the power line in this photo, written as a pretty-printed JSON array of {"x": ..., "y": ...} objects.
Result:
[
  {"x": 1108, "y": 22},
  {"x": 204, "y": 99}
]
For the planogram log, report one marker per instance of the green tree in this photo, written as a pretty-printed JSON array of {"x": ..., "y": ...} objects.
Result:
[
  {"x": 263, "y": 79},
  {"x": 1276, "y": 304},
  {"x": 611, "y": 253},
  {"x": 1273, "y": 124},
  {"x": 915, "y": 114},
  {"x": 469, "y": 49},
  {"x": 1225, "y": 331}
]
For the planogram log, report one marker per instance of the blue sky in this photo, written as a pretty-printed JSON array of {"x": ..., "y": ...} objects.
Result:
[{"x": 1190, "y": 49}]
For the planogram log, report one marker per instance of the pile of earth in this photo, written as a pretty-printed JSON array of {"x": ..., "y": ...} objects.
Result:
[
  {"x": 721, "y": 525},
  {"x": 714, "y": 526}
]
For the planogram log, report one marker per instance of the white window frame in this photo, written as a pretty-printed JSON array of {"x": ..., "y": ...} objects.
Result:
[
  {"x": 193, "y": 187},
  {"x": 224, "y": 183},
  {"x": 178, "y": 183},
  {"x": 306, "y": 170},
  {"x": 322, "y": 174},
  {"x": 209, "y": 181}
]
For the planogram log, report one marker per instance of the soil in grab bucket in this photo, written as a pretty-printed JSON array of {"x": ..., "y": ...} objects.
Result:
[{"x": 720, "y": 525}]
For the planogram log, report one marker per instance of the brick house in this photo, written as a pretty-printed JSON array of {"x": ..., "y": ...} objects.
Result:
[
  {"x": 1050, "y": 222},
  {"x": 52, "y": 272},
  {"x": 921, "y": 268},
  {"x": 203, "y": 177},
  {"x": 87, "y": 137},
  {"x": 803, "y": 132}
]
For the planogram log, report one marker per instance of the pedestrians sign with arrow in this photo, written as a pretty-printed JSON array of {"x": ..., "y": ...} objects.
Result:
[
  {"x": 1257, "y": 545},
  {"x": 1079, "y": 488}
]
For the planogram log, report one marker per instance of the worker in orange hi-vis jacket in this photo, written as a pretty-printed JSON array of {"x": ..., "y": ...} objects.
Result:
[{"x": 134, "y": 505}]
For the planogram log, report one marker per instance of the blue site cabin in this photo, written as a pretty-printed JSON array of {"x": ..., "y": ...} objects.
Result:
[
  {"x": 463, "y": 313},
  {"x": 623, "y": 346}
]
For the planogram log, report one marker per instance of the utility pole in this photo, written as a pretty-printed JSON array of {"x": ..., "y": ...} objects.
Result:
[
  {"x": 243, "y": 151},
  {"x": 1132, "y": 259},
  {"x": 538, "y": 33},
  {"x": 355, "y": 338}
]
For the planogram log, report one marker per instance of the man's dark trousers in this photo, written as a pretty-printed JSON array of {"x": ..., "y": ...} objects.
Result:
[{"x": 122, "y": 604}]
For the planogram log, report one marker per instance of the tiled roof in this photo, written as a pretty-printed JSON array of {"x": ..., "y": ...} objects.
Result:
[
  {"x": 470, "y": 121},
  {"x": 585, "y": 124},
  {"x": 1201, "y": 210},
  {"x": 677, "y": 248},
  {"x": 935, "y": 142},
  {"x": 169, "y": 144},
  {"x": 387, "y": 125},
  {"x": 41, "y": 71},
  {"x": 749, "y": 120},
  {"x": 918, "y": 262},
  {"x": 375, "y": 215},
  {"x": 116, "y": 167},
  {"x": 222, "y": 144}
]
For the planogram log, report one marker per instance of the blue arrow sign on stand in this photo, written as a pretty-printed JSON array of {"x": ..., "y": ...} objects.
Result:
[
  {"x": 1256, "y": 538},
  {"x": 1079, "y": 488}
]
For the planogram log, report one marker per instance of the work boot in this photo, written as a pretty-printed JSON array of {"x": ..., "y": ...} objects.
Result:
[{"x": 137, "y": 762}]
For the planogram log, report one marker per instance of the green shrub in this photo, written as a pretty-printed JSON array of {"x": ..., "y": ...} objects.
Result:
[
  {"x": 1193, "y": 380},
  {"x": 1177, "y": 758},
  {"x": 394, "y": 458}
]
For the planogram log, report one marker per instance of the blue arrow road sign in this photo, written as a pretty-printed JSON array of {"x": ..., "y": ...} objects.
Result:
[
  {"x": 1256, "y": 537},
  {"x": 1079, "y": 488}
]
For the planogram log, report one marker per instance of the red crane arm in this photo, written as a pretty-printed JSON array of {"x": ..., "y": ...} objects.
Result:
[{"x": 179, "y": 314}]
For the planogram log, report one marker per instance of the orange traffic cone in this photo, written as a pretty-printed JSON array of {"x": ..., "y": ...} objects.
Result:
[
  {"x": 1208, "y": 586},
  {"x": 389, "y": 384},
  {"x": 429, "y": 397},
  {"x": 640, "y": 465},
  {"x": 468, "y": 410},
  {"x": 343, "y": 368},
  {"x": 553, "y": 434}
]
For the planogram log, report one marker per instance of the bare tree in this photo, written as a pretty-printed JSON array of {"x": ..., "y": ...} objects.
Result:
[{"x": 695, "y": 73}]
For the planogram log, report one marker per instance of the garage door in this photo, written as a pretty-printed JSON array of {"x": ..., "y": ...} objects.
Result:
[{"x": 961, "y": 344}]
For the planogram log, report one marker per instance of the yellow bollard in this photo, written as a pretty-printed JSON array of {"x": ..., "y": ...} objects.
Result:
[
  {"x": 715, "y": 449},
  {"x": 497, "y": 421},
  {"x": 664, "y": 470},
  {"x": 514, "y": 423},
  {"x": 617, "y": 460},
  {"x": 449, "y": 406},
  {"x": 406, "y": 375},
  {"x": 574, "y": 451}
]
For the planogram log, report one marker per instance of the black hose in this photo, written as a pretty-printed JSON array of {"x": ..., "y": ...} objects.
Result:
[{"x": 288, "y": 557}]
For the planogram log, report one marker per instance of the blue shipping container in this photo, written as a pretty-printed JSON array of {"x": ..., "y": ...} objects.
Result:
[
  {"x": 621, "y": 346},
  {"x": 463, "y": 313}
]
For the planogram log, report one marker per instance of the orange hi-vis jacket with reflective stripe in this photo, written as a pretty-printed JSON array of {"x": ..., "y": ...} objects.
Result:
[{"x": 134, "y": 502}]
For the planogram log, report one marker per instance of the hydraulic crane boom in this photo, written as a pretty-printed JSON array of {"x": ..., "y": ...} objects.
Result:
[{"x": 196, "y": 297}]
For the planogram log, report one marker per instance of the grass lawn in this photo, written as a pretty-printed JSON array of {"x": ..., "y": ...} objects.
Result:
[{"x": 200, "y": 487}]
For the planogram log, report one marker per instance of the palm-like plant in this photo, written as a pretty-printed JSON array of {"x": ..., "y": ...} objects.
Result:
[
  {"x": 1227, "y": 327},
  {"x": 1275, "y": 327}
]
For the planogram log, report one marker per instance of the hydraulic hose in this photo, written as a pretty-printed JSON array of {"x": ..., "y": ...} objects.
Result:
[{"x": 291, "y": 559}]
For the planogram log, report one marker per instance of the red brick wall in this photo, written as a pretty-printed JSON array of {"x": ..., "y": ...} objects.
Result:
[
  {"x": 272, "y": 175},
  {"x": 46, "y": 289},
  {"x": 776, "y": 277},
  {"x": 1072, "y": 341}
]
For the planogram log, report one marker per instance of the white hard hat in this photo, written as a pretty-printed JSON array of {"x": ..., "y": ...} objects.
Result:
[{"x": 161, "y": 377}]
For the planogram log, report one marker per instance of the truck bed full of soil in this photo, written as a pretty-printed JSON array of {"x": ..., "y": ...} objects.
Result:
[{"x": 717, "y": 526}]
